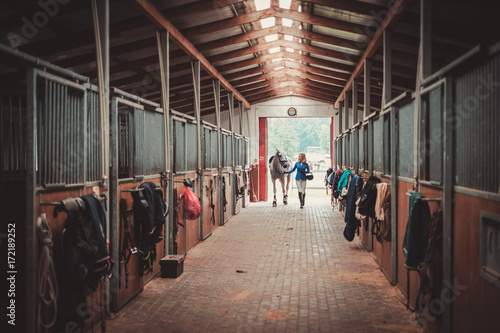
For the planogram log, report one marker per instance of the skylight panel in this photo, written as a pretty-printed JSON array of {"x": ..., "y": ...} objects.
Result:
[
  {"x": 286, "y": 22},
  {"x": 262, "y": 4},
  {"x": 288, "y": 49},
  {"x": 271, "y": 38},
  {"x": 285, "y": 4},
  {"x": 268, "y": 22}
]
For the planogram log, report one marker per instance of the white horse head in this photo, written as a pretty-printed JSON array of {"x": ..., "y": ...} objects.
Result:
[{"x": 280, "y": 160}]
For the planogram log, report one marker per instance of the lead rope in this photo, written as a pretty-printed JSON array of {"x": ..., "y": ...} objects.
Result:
[{"x": 48, "y": 289}]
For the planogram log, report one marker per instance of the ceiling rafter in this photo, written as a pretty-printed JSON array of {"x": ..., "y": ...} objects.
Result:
[
  {"x": 161, "y": 22},
  {"x": 350, "y": 6},
  {"x": 394, "y": 13}
]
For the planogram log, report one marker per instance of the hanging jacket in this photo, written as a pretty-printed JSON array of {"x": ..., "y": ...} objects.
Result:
[
  {"x": 417, "y": 229},
  {"x": 149, "y": 218},
  {"x": 351, "y": 222},
  {"x": 381, "y": 194},
  {"x": 368, "y": 197},
  {"x": 84, "y": 244},
  {"x": 385, "y": 228},
  {"x": 343, "y": 180}
]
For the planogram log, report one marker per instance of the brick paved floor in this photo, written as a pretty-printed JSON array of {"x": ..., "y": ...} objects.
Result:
[{"x": 280, "y": 269}]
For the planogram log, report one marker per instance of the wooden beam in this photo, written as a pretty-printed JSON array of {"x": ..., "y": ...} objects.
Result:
[
  {"x": 228, "y": 23},
  {"x": 162, "y": 23},
  {"x": 350, "y": 6},
  {"x": 322, "y": 21},
  {"x": 391, "y": 17}
]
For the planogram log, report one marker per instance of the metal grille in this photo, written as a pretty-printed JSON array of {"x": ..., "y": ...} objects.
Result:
[
  {"x": 348, "y": 150},
  {"x": 477, "y": 122},
  {"x": 208, "y": 148},
  {"x": 237, "y": 151},
  {"x": 179, "y": 146},
  {"x": 61, "y": 133},
  {"x": 12, "y": 136},
  {"x": 378, "y": 144},
  {"x": 124, "y": 145},
  {"x": 361, "y": 142},
  {"x": 94, "y": 157},
  {"x": 247, "y": 153},
  {"x": 339, "y": 152},
  {"x": 191, "y": 147},
  {"x": 153, "y": 140},
  {"x": 228, "y": 156},
  {"x": 355, "y": 148},
  {"x": 387, "y": 145},
  {"x": 406, "y": 138},
  {"x": 215, "y": 149},
  {"x": 369, "y": 146},
  {"x": 434, "y": 137},
  {"x": 139, "y": 154}
]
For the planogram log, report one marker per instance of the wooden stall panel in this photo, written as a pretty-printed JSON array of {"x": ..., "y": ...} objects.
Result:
[
  {"x": 13, "y": 208},
  {"x": 228, "y": 194},
  {"x": 382, "y": 250},
  {"x": 209, "y": 197},
  {"x": 238, "y": 185},
  {"x": 189, "y": 235},
  {"x": 179, "y": 220},
  {"x": 57, "y": 224},
  {"x": 253, "y": 183},
  {"x": 475, "y": 300},
  {"x": 135, "y": 280},
  {"x": 403, "y": 272}
]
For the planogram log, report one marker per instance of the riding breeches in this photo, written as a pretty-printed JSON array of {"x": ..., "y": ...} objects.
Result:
[{"x": 301, "y": 185}]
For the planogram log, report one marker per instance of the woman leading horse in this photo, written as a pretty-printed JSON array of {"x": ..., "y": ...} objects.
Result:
[
  {"x": 302, "y": 168},
  {"x": 279, "y": 165}
]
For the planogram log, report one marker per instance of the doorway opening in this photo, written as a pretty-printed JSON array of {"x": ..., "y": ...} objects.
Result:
[{"x": 311, "y": 136}]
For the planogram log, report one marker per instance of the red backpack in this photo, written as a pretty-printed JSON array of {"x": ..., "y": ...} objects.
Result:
[{"x": 192, "y": 208}]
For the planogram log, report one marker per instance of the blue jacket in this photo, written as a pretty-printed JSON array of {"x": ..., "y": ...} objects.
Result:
[
  {"x": 302, "y": 169},
  {"x": 343, "y": 180}
]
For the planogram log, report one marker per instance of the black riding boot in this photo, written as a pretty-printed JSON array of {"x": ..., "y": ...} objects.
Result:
[
  {"x": 303, "y": 199},
  {"x": 301, "y": 196}
]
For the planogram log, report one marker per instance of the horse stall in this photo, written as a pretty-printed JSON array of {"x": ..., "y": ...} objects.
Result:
[
  {"x": 210, "y": 179},
  {"x": 138, "y": 157},
  {"x": 439, "y": 148},
  {"x": 227, "y": 177},
  {"x": 185, "y": 153},
  {"x": 50, "y": 150},
  {"x": 239, "y": 174},
  {"x": 247, "y": 168}
]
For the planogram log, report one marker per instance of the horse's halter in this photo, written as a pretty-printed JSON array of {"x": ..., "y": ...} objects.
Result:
[{"x": 283, "y": 161}]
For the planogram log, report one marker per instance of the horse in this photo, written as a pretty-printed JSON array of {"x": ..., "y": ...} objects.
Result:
[{"x": 279, "y": 164}]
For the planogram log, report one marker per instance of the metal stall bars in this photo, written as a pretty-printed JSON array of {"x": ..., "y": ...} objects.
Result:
[
  {"x": 63, "y": 148},
  {"x": 137, "y": 155},
  {"x": 246, "y": 167},
  {"x": 185, "y": 155},
  {"x": 210, "y": 178},
  {"x": 227, "y": 175},
  {"x": 238, "y": 188}
]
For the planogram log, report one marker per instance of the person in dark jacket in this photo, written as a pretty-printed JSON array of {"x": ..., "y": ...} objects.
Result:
[{"x": 302, "y": 169}]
